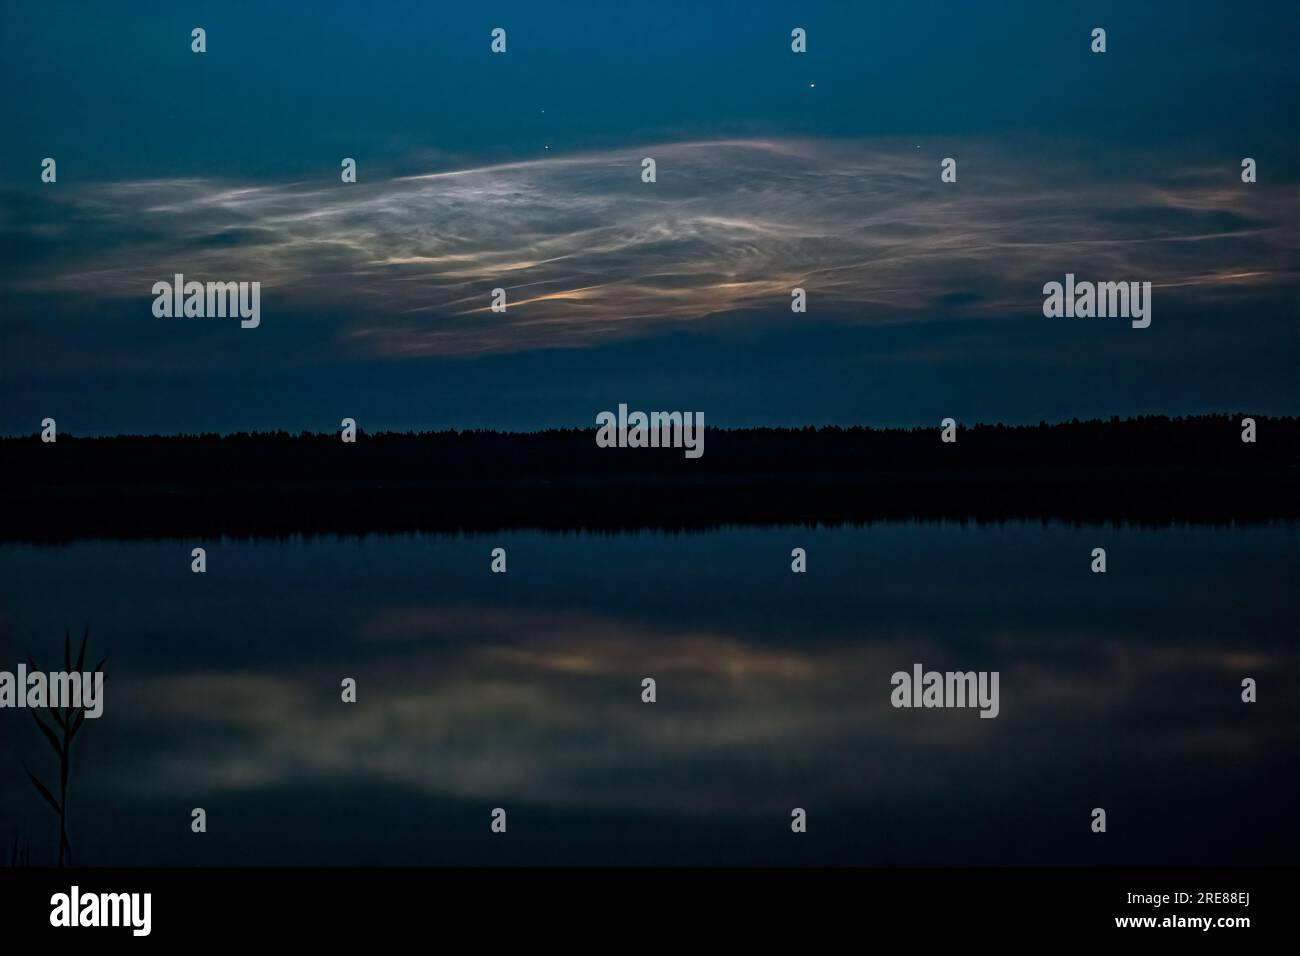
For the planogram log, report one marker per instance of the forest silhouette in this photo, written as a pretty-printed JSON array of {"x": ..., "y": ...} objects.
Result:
[{"x": 1146, "y": 470}]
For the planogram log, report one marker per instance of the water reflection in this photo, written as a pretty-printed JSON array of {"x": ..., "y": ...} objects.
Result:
[{"x": 524, "y": 691}]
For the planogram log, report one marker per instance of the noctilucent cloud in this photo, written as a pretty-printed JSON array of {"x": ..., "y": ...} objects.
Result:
[{"x": 522, "y": 171}]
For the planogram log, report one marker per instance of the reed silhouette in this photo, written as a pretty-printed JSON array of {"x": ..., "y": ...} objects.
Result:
[
  {"x": 69, "y": 720},
  {"x": 20, "y": 854}
]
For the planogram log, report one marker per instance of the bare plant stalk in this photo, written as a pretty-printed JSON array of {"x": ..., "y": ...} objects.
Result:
[{"x": 69, "y": 721}]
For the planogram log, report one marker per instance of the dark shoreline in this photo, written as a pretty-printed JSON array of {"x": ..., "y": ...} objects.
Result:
[{"x": 1153, "y": 471}]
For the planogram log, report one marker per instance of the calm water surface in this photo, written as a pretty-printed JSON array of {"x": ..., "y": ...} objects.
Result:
[{"x": 522, "y": 691}]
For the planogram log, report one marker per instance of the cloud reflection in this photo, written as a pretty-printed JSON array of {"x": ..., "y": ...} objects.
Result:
[{"x": 545, "y": 707}]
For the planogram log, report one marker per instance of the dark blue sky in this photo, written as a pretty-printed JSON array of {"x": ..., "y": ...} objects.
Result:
[{"x": 774, "y": 170}]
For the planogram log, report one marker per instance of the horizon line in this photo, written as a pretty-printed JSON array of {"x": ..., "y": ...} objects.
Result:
[{"x": 388, "y": 432}]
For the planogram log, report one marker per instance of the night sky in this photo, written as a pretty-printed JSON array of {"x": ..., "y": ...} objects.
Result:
[{"x": 522, "y": 171}]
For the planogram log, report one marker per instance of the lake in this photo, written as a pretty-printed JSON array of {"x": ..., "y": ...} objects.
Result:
[{"x": 523, "y": 691}]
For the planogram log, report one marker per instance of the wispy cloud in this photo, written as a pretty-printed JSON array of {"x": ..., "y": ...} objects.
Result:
[{"x": 587, "y": 252}]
